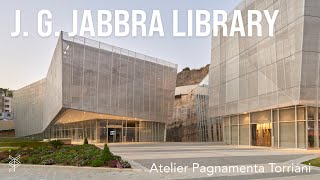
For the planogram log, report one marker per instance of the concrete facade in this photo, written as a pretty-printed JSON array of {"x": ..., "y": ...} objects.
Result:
[
  {"x": 265, "y": 90},
  {"x": 7, "y": 104},
  {"x": 92, "y": 86}
]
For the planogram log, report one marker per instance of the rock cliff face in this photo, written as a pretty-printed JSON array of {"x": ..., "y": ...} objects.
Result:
[
  {"x": 191, "y": 77},
  {"x": 183, "y": 126}
]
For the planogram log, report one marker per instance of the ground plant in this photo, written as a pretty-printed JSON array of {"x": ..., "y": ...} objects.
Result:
[
  {"x": 55, "y": 153},
  {"x": 313, "y": 162}
]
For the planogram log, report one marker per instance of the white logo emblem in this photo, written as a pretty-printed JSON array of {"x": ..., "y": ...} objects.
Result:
[{"x": 14, "y": 163}]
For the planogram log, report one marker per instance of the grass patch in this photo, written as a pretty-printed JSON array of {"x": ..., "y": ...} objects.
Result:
[
  {"x": 21, "y": 142},
  {"x": 81, "y": 155},
  {"x": 18, "y": 139},
  {"x": 313, "y": 162},
  {"x": 7, "y": 148}
]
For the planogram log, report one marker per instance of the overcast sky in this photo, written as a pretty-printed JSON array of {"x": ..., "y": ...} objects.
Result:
[{"x": 26, "y": 59}]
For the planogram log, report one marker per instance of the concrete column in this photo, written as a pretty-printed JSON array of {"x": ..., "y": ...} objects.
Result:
[
  {"x": 278, "y": 127},
  {"x": 316, "y": 133},
  {"x": 296, "y": 125},
  {"x": 238, "y": 130},
  {"x": 230, "y": 133},
  {"x": 139, "y": 131},
  {"x": 250, "y": 133},
  {"x": 107, "y": 131},
  {"x": 165, "y": 133},
  {"x": 97, "y": 131},
  {"x": 126, "y": 133},
  {"x": 223, "y": 131},
  {"x": 306, "y": 136},
  {"x": 122, "y": 131},
  {"x": 272, "y": 134}
]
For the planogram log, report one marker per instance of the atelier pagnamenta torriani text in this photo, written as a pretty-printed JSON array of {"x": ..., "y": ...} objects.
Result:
[{"x": 233, "y": 169}]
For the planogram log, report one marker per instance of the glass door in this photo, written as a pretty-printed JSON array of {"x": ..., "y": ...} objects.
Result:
[
  {"x": 261, "y": 134},
  {"x": 114, "y": 135}
]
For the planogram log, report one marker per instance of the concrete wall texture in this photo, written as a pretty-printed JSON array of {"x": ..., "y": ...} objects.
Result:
[{"x": 91, "y": 76}]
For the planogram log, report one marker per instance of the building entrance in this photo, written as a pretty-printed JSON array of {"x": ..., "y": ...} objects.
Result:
[
  {"x": 261, "y": 134},
  {"x": 114, "y": 134}
]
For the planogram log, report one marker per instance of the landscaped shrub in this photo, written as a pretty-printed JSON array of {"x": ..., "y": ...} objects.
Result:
[
  {"x": 97, "y": 163},
  {"x": 125, "y": 164},
  {"x": 85, "y": 141},
  {"x": 81, "y": 155},
  {"x": 56, "y": 143},
  {"x": 106, "y": 154},
  {"x": 48, "y": 162}
]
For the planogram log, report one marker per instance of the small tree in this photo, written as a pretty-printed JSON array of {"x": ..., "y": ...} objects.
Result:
[
  {"x": 186, "y": 69},
  {"x": 106, "y": 154},
  {"x": 85, "y": 141},
  {"x": 56, "y": 143}
]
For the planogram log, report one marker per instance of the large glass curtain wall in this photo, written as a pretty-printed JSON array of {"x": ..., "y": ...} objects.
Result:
[
  {"x": 291, "y": 127},
  {"x": 209, "y": 129},
  {"x": 108, "y": 131}
]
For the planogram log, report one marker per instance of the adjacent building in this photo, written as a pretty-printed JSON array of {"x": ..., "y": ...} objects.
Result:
[
  {"x": 264, "y": 91},
  {"x": 6, "y": 114},
  {"x": 6, "y": 104},
  {"x": 100, "y": 92}
]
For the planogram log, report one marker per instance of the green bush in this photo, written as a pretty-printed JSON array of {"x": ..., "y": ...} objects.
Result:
[
  {"x": 97, "y": 163},
  {"x": 106, "y": 154},
  {"x": 80, "y": 155},
  {"x": 56, "y": 143},
  {"x": 85, "y": 141}
]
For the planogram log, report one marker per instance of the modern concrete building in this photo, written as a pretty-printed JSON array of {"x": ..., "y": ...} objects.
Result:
[
  {"x": 100, "y": 92},
  {"x": 6, "y": 116},
  {"x": 1, "y": 102},
  {"x": 264, "y": 91},
  {"x": 7, "y": 104}
]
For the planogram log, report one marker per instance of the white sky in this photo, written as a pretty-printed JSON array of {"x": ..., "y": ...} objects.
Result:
[{"x": 25, "y": 60}]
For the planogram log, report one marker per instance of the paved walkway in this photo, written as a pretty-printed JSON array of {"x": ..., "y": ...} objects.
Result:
[
  {"x": 143, "y": 156},
  {"x": 207, "y": 154}
]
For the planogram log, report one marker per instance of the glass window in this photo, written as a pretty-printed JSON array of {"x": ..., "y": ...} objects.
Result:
[
  {"x": 311, "y": 133},
  {"x": 234, "y": 120},
  {"x": 287, "y": 114},
  {"x": 302, "y": 135},
  {"x": 275, "y": 115},
  {"x": 287, "y": 135},
  {"x": 244, "y": 119},
  {"x": 301, "y": 113},
  {"x": 312, "y": 113}
]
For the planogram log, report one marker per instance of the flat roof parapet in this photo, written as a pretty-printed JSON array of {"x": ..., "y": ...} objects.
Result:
[{"x": 111, "y": 48}]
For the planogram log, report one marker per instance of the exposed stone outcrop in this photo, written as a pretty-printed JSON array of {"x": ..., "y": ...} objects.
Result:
[
  {"x": 191, "y": 77},
  {"x": 183, "y": 126}
]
